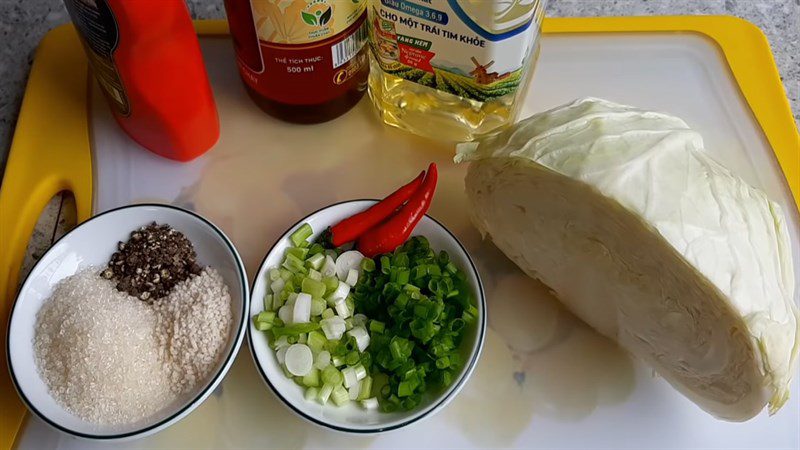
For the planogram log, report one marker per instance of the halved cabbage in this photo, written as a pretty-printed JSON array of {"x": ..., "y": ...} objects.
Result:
[{"x": 650, "y": 241}]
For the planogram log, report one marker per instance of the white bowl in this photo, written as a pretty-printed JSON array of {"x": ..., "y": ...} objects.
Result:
[
  {"x": 91, "y": 244},
  {"x": 351, "y": 417}
]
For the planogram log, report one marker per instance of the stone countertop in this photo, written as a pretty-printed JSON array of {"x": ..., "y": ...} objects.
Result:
[{"x": 23, "y": 23}]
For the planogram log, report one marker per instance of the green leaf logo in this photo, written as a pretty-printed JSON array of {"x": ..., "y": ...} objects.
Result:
[{"x": 309, "y": 18}]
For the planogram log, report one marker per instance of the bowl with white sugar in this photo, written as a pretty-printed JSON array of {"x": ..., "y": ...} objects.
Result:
[{"x": 128, "y": 323}]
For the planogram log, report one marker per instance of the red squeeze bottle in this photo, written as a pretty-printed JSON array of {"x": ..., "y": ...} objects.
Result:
[{"x": 147, "y": 60}]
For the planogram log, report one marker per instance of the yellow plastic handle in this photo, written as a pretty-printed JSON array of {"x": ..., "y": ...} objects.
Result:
[{"x": 50, "y": 153}]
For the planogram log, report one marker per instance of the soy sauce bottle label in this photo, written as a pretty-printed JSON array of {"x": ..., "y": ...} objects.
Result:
[
  {"x": 99, "y": 34},
  {"x": 299, "y": 51}
]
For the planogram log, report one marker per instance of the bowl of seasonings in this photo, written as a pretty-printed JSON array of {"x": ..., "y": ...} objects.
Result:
[{"x": 128, "y": 322}]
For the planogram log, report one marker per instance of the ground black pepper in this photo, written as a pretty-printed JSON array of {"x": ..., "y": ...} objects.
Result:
[{"x": 152, "y": 262}]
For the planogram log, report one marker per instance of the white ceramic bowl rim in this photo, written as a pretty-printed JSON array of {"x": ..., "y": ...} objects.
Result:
[
  {"x": 202, "y": 394},
  {"x": 435, "y": 407}
]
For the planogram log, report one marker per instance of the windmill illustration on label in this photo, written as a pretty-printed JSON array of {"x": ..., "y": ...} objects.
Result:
[{"x": 481, "y": 73}]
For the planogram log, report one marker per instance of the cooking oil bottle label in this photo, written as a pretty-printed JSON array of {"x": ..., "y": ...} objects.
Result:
[
  {"x": 476, "y": 49},
  {"x": 316, "y": 44}
]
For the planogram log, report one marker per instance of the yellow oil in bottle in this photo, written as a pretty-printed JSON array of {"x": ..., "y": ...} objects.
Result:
[{"x": 418, "y": 68}]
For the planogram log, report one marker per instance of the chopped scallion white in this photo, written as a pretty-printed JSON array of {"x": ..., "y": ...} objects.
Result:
[
  {"x": 360, "y": 320},
  {"x": 361, "y": 336},
  {"x": 299, "y": 359},
  {"x": 317, "y": 306},
  {"x": 361, "y": 372},
  {"x": 346, "y": 261},
  {"x": 325, "y": 393},
  {"x": 277, "y": 286},
  {"x": 285, "y": 314},
  {"x": 302, "y": 309},
  {"x": 281, "y": 342},
  {"x": 311, "y": 394},
  {"x": 322, "y": 360},
  {"x": 314, "y": 275},
  {"x": 328, "y": 267},
  {"x": 352, "y": 277},
  {"x": 350, "y": 377},
  {"x": 370, "y": 403},
  {"x": 354, "y": 390},
  {"x": 315, "y": 262},
  {"x": 341, "y": 292},
  {"x": 340, "y": 395},
  {"x": 281, "y": 354},
  {"x": 342, "y": 310}
]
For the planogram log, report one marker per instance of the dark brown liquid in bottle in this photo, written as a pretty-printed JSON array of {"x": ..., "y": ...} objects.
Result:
[
  {"x": 300, "y": 80},
  {"x": 323, "y": 112}
]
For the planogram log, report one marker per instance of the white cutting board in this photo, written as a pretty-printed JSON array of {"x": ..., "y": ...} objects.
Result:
[{"x": 545, "y": 380}]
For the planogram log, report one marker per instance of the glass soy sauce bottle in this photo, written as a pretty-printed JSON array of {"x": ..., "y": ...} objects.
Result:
[{"x": 302, "y": 61}]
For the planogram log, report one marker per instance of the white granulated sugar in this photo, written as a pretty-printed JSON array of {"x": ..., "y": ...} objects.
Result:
[
  {"x": 193, "y": 323},
  {"x": 96, "y": 351},
  {"x": 113, "y": 359}
]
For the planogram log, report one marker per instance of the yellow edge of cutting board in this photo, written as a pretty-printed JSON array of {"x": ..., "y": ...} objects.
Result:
[{"x": 50, "y": 151}]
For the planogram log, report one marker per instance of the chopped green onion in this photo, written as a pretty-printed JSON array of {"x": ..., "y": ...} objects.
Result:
[
  {"x": 301, "y": 234},
  {"x": 274, "y": 274},
  {"x": 325, "y": 393},
  {"x": 340, "y": 396},
  {"x": 332, "y": 376},
  {"x": 312, "y": 378},
  {"x": 366, "y": 388},
  {"x": 315, "y": 261},
  {"x": 331, "y": 283},
  {"x": 352, "y": 358},
  {"x": 354, "y": 390},
  {"x": 376, "y": 326},
  {"x": 316, "y": 341},
  {"x": 385, "y": 264},
  {"x": 314, "y": 275},
  {"x": 268, "y": 302},
  {"x": 349, "y": 377},
  {"x": 367, "y": 265},
  {"x": 370, "y": 403},
  {"x": 262, "y": 326},
  {"x": 403, "y": 322},
  {"x": 266, "y": 316},
  {"x": 313, "y": 287},
  {"x": 404, "y": 389},
  {"x": 299, "y": 253},
  {"x": 294, "y": 264},
  {"x": 317, "y": 306},
  {"x": 311, "y": 394},
  {"x": 322, "y": 360},
  {"x": 294, "y": 330}
]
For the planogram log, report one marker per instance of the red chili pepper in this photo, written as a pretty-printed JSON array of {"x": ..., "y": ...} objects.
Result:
[
  {"x": 390, "y": 234},
  {"x": 350, "y": 229}
]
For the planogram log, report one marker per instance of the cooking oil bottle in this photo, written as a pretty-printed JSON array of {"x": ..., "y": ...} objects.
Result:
[{"x": 452, "y": 69}]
